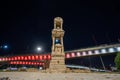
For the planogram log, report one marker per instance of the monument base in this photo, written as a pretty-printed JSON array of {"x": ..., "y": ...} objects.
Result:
[
  {"x": 66, "y": 71},
  {"x": 57, "y": 63}
]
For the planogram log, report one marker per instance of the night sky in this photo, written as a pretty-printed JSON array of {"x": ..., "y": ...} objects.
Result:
[{"x": 26, "y": 24}]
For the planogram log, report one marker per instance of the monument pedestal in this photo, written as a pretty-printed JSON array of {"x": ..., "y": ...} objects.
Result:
[{"x": 57, "y": 63}]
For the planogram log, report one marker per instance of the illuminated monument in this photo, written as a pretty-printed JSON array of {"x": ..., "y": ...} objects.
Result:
[{"x": 57, "y": 63}]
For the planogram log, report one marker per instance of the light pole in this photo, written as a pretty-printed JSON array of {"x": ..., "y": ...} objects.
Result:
[{"x": 39, "y": 49}]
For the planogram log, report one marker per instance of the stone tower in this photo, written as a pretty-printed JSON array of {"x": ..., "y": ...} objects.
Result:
[{"x": 57, "y": 63}]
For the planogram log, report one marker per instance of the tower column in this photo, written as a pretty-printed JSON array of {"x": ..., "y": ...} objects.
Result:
[
  {"x": 62, "y": 45},
  {"x": 53, "y": 49}
]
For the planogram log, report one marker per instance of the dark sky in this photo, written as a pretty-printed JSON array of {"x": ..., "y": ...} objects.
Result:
[{"x": 26, "y": 24}]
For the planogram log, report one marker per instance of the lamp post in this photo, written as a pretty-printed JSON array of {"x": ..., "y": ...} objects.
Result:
[{"x": 39, "y": 49}]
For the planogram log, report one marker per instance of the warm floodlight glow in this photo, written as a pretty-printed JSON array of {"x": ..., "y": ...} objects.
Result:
[
  {"x": 26, "y": 58},
  {"x": 15, "y": 58},
  {"x": 67, "y": 55},
  {"x": 29, "y": 57},
  {"x": 36, "y": 57},
  {"x": 78, "y": 53},
  {"x": 3, "y": 59},
  {"x": 40, "y": 57},
  {"x": 73, "y": 54},
  {"x": 33, "y": 58},
  {"x": 44, "y": 57},
  {"x": 49, "y": 57}
]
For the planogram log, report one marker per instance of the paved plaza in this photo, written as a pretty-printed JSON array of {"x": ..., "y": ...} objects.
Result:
[{"x": 59, "y": 76}]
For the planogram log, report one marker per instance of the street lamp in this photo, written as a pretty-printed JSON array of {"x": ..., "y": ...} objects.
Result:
[
  {"x": 39, "y": 49},
  {"x": 5, "y": 46}
]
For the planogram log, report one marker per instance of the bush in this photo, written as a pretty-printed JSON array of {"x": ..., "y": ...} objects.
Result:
[{"x": 117, "y": 61}]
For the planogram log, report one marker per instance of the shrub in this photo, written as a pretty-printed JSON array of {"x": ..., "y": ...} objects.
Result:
[{"x": 117, "y": 61}]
